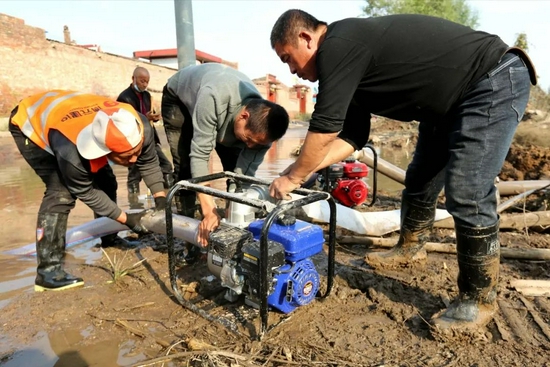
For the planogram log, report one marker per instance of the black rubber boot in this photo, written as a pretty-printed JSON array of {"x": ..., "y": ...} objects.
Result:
[
  {"x": 133, "y": 188},
  {"x": 51, "y": 229},
  {"x": 478, "y": 253},
  {"x": 186, "y": 205},
  {"x": 168, "y": 180},
  {"x": 190, "y": 256},
  {"x": 134, "y": 202},
  {"x": 417, "y": 218},
  {"x": 113, "y": 240}
]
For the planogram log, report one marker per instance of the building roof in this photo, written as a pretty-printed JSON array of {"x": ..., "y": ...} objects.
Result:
[{"x": 173, "y": 53}]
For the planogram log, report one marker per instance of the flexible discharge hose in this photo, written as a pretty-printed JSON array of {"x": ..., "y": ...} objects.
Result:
[{"x": 184, "y": 228}]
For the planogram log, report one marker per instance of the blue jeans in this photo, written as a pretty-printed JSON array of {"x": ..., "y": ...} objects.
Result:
[{"x": 465, "y": 152}]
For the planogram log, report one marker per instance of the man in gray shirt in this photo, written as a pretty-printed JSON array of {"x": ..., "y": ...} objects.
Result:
[{"x": 211, "y": 106}]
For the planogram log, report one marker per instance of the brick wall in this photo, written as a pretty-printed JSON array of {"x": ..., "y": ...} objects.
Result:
[{"x": 29, "y": 63}]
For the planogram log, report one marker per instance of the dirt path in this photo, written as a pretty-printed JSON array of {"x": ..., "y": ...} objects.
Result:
[{"x": 371, "y": 318}]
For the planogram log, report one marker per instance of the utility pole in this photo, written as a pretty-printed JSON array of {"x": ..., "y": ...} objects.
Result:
[{"x": 185, "y": 34}]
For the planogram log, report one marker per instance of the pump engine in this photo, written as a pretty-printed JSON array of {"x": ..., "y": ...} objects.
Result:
[
  {"x": 345, "y": 182},
  {"x": 234, "y": 255}
]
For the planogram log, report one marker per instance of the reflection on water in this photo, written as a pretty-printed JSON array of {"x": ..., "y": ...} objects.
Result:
[{"x": 21, "y": 191}]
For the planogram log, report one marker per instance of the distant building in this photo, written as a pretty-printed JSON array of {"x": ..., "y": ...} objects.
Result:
[{"x": 169, "y": 57}]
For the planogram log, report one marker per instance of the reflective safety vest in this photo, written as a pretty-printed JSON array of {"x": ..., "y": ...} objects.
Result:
[{"x": 66, "y": 111}]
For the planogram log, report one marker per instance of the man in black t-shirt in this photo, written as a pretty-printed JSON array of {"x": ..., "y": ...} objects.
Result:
[{"x": 467, "y": 89}]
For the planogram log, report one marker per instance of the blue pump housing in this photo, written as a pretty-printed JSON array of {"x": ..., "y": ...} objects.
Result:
[
  {"x": 300, "y": 239},
  {"x": 297, "y": 282},
  {"x": 297, "y": 285}
]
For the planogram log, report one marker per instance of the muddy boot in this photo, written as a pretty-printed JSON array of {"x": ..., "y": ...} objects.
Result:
[
  {"x": 417, "y": 219},
  {"x": 133, "y": 188},
  {"x": 168, "y": 180},
  {"x": 478, "y": 253},
  {"x": 186, "y": 205},
  {"x": 134, "y": 202},
  {"x": 51, "y": 229},
  {"x": 113, "y": 240},
  {"x": 190, "y": 256}
]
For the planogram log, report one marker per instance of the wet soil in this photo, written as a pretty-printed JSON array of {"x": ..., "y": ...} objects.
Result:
[{"x": 371, "y": 317}]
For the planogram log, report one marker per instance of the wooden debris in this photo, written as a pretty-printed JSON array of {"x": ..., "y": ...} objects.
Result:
[
  {"x": 510, "y": 221},
  {"x": 447, "y": 248},
  {"x": 515, "y": 322},
  {"x": 535, "y": 315},
  {"x": 531, "y": 287}
]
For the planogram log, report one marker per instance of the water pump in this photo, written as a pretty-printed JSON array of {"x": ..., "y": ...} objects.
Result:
[
  {"x": 344, "y": 181},
  {"x": 234, "y": 254},
  {"x": 260, "y": 253}
]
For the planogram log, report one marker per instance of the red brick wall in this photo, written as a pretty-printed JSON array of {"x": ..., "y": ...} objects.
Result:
[{"x": 29, "y": 63}]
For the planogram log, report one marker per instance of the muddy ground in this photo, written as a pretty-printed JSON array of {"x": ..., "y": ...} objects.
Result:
[{"x": 371, "y": 318}]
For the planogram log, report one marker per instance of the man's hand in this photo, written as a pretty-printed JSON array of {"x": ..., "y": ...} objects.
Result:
[
  {"x": 153, "y": 116},
  {"x": 282, "y": 186},
  {"x": 133, "y": 221},
  {"x": 210, "y": 222},
  {"x": 160, "y": 203}
]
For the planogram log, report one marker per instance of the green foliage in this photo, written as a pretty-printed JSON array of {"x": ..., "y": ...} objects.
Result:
[
  {"x": 521, "y": 41},
  {"x": 454, "y": 10}
]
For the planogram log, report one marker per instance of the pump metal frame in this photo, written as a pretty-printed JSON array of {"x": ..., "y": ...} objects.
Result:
[{"x": 310, "y": 196}]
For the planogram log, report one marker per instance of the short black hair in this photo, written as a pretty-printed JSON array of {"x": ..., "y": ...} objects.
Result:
[
  {"x": 266, "y": 118},
  {"x": 290, "y": 23}
]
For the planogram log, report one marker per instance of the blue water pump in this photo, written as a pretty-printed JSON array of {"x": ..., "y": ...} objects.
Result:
[
  {"x": 293, "y": 281},
  {"x": 296, "y": 282}
]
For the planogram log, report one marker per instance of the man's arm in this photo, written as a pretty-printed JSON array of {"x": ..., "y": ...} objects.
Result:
[
  {"x": 205, "y": 131},
  {"x": 314, "y": 151},
  {"x": 148, "y": 163},
  {"x": 78, "y": 179}
]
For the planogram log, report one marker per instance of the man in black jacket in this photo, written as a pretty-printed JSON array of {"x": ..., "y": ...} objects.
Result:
[{"x": 138, "y": 96}]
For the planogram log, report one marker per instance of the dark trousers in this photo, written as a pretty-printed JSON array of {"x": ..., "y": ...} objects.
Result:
[
  {"x": 57, "y": 198},
  {"x": 179, "y": 133},
  {"x": 134, "y": 176}
]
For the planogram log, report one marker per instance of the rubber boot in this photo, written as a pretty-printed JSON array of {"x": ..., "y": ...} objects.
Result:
[
  {"x": 186, "y": 205},
  {"x": 133, "y": 188},
  {"x": 114, "y": 240},
  {"x": 134, "y": 202},
  {"x": 168, "y": 180},
  {"x": 190, "y": 256},
  {"x": 478, "y": 253},
  {"x": 417, "y": 218},
  {"x": 51, "y": 229}
]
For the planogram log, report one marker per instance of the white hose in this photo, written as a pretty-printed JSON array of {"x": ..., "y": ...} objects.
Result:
[{"x": 184, "y": 228}]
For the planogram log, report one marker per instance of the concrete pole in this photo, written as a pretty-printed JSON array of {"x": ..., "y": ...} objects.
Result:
[{"x": 185, "y": 35}]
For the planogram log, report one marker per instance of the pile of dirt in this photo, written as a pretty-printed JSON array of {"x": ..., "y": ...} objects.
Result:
[{"x": 527, "y": 162}]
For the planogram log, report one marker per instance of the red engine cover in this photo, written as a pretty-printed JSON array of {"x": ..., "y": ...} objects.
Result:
[
  {"x": 355, "y": 170},
  {"x": 350, "y": 192}
]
